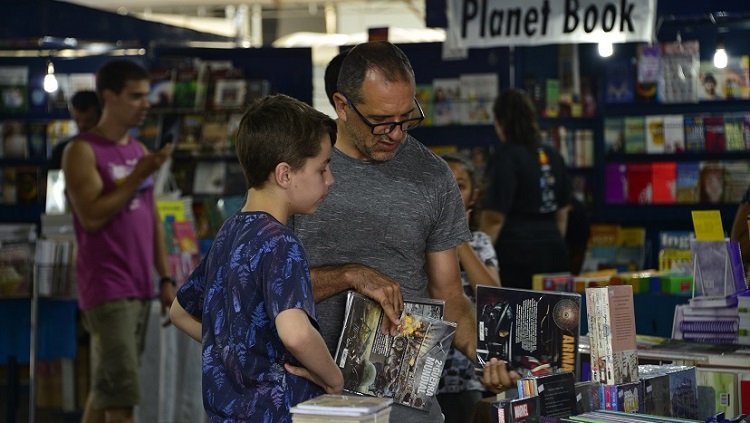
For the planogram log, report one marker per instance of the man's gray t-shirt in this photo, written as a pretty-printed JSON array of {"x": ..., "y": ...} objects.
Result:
[{"x": 387, "y": 215}]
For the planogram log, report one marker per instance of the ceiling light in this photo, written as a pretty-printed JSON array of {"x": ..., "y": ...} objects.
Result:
[{"x": 50, "y": 81}]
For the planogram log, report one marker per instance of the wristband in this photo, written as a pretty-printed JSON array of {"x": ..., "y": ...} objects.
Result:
[{"x": 167, "y": 279}]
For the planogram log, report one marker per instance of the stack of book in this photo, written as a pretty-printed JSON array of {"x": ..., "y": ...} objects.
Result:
[{"x": 342, "y": 409}]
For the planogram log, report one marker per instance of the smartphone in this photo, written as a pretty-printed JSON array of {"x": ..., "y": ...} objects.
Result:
[{"x": 166, "y": 139}]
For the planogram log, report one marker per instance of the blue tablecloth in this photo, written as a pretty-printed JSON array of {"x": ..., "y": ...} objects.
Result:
[{"x": 56, "y": 329}]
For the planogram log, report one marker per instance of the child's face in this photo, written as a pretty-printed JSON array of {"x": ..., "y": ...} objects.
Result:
[
  {"x": 464, "y": 183},
  {"x": 310, "y": 183}
]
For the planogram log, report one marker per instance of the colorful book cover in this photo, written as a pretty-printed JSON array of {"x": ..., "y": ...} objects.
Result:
[
  {"x": 711, "y": 184},
  {"x": 687, "y": 183},
  {"x": 424, "y": 97},
  {"x": 161, "y": 94},
  {"x": 186, "y": 88},
  {"x": 536, "y": 332},
  {"x": 711, "y": 82},
  {"x": 663, "y": 183},
  {"x": 714, "y": 136},
  {"x": 478, "y": 92},
  {"x": 516, "y": 410},
  {"x": 615, "y": 333},
  {"x": 695, "y": 140},
  {"x": 655, "y": 134},
  {"x": 734, "y": 131},
  {"x": 674, "y": 134},
  {"x": 736, "y": 84},
  {"x": 616, "y": 183},
  {"x": 406, "y": 367},
  {"x": 446, "y": 106},
  {"x": 640, "y": 177},
  {"x": 614, "y": 135},
  {"x": 635, "y": 134}
]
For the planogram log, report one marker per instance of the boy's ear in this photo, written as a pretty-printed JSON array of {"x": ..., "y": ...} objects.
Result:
[{"x": 282, "y": 174}]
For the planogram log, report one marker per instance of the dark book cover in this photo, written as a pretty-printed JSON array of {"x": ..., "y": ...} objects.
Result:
[
  {"x": 536, "y": 332},
  {"x": 694, "y": 136},
  {"x": 37, "y": 138},
  {"x": 640, "y": 189},
  {"x": 27, "y": 185},
  {"x": 516, "y": 410},
  {"x": 655, "y": 388},
  {"x": 557, "y": 394},
  {"x": 587, "y": 396},
  {"x": 619, "y": 85}
]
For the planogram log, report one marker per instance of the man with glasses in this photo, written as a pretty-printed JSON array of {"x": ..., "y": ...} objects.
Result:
[{"x": 390, "y": 228}]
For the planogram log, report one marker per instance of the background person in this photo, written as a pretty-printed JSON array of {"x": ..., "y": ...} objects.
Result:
[
  {"x": 525, "y": 208},
  {"x": 108, "y": 176},
  {"x": 86, "y": 111}
]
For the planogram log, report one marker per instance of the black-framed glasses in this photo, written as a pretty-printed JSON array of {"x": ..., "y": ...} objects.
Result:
[{"x": 388, "y": 127}]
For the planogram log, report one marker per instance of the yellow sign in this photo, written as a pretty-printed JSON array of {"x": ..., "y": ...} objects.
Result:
[
  {"x": 707, "y": 225},
  {"x": 174, "y": 208}
]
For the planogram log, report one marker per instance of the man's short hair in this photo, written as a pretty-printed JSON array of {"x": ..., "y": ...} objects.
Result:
[
  {"x": 332, "y": 75},
  {"x": 85, "y": 101},
  {"x": 114, "y": 74}
]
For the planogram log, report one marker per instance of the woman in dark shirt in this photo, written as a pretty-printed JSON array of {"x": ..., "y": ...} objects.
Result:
[{"x": 527, "y": 198}]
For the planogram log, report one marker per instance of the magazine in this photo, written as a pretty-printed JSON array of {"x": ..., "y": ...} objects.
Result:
[
  {"x": 535, "y": 332},
  {"x": 406, "y": 367}
]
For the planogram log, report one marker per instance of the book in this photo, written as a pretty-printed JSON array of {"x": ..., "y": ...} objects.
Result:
[
  {"x": 711, "y": 82},
  {"x": 161, "y": 93},
  {"x": 715, "y": 137},
  {"x": 15, "y": 143},
  {"x": 694, "y": 136},
  {"x": 626, "y": 397},
  {"x": 342, "y": 405},
  {"x": 478, "y": 92},
  {"x": 655, "y": 390},
  {"x": 736, "y": 177},
  {"x": 687, "y": 182},
  {"x": 209, "y": 178},
  {"x": 186, "y": 88},
  {"x": 674, "y": 134},
  {"x": 635, "y": 134},
  {"x": 406, "y": 367},
  {"x": 515, "y": 410},
  {"x": 718, "y": 269},
  {"x": 734, "y": 131},
  {"x": 614, "y": 135},
  {"x": 613, "y": 335},
  {"x": 214, "y": 133},
  {"x": 616, "y": 182},
  {"x": 640, "y": 179},
  {"x": 446, "y": 106},
  {"x": 663, "y": 182},
  {"x": 424, "y": 96},
  {"x": 619, "y": 77},
  {"x": 711, "y": 183},
  {"x": 536, "y": 332},
  {"x": 587, "y": 396},
  {"x": 556, "y": 393},
  {"x": 382, "y": 416},
  {"x": 654, "y": 125},
  {"x": 14, "y": 88}
]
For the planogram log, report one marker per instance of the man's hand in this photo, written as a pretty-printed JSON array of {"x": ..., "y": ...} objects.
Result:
[
  {"x": 167, "y": 296},
  {"x": 376, "y": 285},
  {"x": 497, "y": 378},
  {"x": 303, "y": 372},
  {"x": 151, "y": 162}
]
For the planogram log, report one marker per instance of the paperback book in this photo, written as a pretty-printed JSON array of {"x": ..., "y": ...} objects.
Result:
[
  {"x": 342, "y": 405},
  {"x": 405, "y": 367},
  {"x": 536, "y": 332},
  {"x": 515, "y": 410}
]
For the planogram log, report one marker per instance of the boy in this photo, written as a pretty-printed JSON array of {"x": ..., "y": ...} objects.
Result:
[{"x": 258, "y": 313}]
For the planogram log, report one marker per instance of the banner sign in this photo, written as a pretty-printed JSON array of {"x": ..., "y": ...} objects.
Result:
[{"x": 490, "y": 23}]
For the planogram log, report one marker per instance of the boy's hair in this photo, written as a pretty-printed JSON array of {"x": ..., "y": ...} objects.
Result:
[
  {"x": 114, "y": 74},
  {"x": 380, "y": 56},
  {"x": 276, "y": 129},
  {"x": 332, "y": 75},
  {"x": 85, "y": 100}
]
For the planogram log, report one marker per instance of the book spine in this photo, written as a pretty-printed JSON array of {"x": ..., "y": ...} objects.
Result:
[{"x": 716, "y": 326}]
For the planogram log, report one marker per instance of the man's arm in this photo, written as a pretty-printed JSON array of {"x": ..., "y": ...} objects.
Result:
[
  {"x": 161, "y": 263},
  {"x": 328, "y": 281},
  {"x": 84, "y": 185},
  {"x": 445, "y": 284}
]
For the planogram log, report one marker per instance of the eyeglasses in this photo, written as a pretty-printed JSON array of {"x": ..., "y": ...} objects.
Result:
[{"x": 388, "y": 127}]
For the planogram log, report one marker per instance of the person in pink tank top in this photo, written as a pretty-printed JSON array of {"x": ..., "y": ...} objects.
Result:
[{"x": 109, "y": 183}]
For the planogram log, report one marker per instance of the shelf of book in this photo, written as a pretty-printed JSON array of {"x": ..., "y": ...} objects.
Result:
[
  {"x": 670, "y": 214},
  {"x": 641, "y": 108},
  {"x": 675, "y": 157}
]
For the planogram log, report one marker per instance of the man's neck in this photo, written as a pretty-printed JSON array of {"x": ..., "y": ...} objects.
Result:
[{"x": 114, "y": 133}]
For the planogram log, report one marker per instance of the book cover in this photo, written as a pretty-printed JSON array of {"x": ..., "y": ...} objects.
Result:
[
  {"x": 14, "y": 88},
  {"x": 209, "y": 178},
  {"x": 674, "y": 134},
  {"x": 714, "y": 136},
  {"x": 679, "y": 69},
  {"x": 587, "y": 396},
  {"x": 734, "y": 131},
  {"x": 214, "y": 133},
  {"x": 640, "y": 179},
  {"x": 15, "y": 140},
  {"x": 616, "y": 183},
  {"x": 619, "y": 77},
  {"x": 161, "y": 94},
  {"x": 626, "y": 397},
  {"x": 37, "y": 139},
  {"x": 711, "y": 82},
  {"x": 615, "y": 334},
  {"x": 424, "y": 96},
  {"x": 614, "y": 135},
  {"x": 478, "y": 92},
  {"x": 694, "y": 136},
  {"x": 186, "y": 88},
  {"x": 736, "y": 81},
  {"x": 736, "y": 177},
  {"x": 718, "y": 268},
  {"x": 27, "y": 185},
  {"x": 663, "y": 182},
  {"x": 191, "y": 129},
  {"x": 655, "y": 134},
  {"x": 406, "y": 367},
  {"x": 149, "y": 132},
  {"x": 648, "y": 75},
  {"x": 635, "y": 134},
  {"x": 342, "y": 405},
  {"x": 536, "y": 332},
  {"x": 446, "y": 106},
  {"x": 516, "y": 410},
  {"x": 556, "y": 392},
  {"x": 687, "y": 183},
  {"x": 655, "y": 390},
  {"x": 746, "y": 130},
  {"x": 711, "y": 184}
]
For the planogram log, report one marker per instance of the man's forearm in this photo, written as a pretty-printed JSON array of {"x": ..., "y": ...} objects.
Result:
[
  {"x": 460, "y": 310},
  {"x": 328, "y": 281}
]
